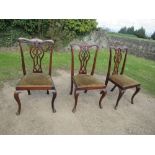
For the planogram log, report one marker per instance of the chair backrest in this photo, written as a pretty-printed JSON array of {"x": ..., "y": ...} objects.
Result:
[
  {"x": 37, "y": 48},
  {"x": 84, "y": 57},
  {"x": 117, "y": 56}
]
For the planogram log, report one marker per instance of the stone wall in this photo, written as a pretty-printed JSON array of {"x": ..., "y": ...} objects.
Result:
[
  {"x": 95, "y": 37},
  {"x": 139, "y": 47}
]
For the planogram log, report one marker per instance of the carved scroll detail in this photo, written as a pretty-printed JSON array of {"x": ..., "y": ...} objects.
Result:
[
  {"x": 37, "y": 54},
  {"x": 117, "y": 60},
  {"x": 84, "y": 56}
]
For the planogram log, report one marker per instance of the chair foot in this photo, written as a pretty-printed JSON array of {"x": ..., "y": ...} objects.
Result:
[
  {"x": 101, "y": 98},
  {"x": 16, "y": 97},
  {"x": 48, "y": 92},
  {"x": 113, "y": 88},
  {"x": 85, "y": 91},
  {"x": 121, "y": 92},
  {"x": 137, "y": 90},
  {"x": 74, "y": 110},
  {"x": 29, "y": 93},
  {"x": 76, "y": 100},
  {"x": 70, "y": 93},
  {"x": 52, "y": 103}
]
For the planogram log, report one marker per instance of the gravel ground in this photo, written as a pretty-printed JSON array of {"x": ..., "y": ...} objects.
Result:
[{"x": 37, "y": 117}]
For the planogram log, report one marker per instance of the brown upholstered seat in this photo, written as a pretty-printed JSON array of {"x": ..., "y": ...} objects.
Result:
[
  {"x": 87, "y": 81},
  {"x": 35, "y": 80},
  {"x": 123, "y": 80}
]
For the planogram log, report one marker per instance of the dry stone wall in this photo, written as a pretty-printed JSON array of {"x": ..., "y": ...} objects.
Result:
[{"x": 139, "y": 47}]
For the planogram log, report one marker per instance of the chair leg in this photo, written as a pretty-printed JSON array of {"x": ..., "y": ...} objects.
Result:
[
  {"x": 71, "y": 90},
  {"x": 137, "y": 90},
  {"x": 16, "y": 97},
  {"x": 29, "y": 93},
  {"x": 85, "y": 91},
  {"x": 76, "y": 100},
  {"x": 113, "y": 88},
  {"x": 48, "y": 92},
  {"x": 52, "y": 103},
  {"x": 121, "y": 92},
  {"x": 102, "y": 96}
]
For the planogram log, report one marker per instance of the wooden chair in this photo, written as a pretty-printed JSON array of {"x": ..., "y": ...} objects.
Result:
[
  {"x": 123, "y": 82},
  {"x": 36, "y": 80},
  {"x": 83, "y": 81}
]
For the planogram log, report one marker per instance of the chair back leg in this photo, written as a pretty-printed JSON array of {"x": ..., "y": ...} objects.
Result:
[
  {"x": 52, "y": 103},
  {"x": 113, "y": 88}
]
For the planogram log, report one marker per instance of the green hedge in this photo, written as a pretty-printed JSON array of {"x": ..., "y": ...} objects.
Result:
[{"x": 60, "y": 30}]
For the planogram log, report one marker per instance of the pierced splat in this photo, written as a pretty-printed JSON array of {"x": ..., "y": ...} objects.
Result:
[
  {"x": 117, "y": 60},
  {"x": 84, "y": 56},
  {"x": 37, "y": 53},
  {"x": 37, "y": 49}
]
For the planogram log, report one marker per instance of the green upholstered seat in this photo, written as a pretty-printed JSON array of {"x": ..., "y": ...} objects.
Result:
[
  {"x": 123, "y": 80},
  {"x": 35, "y": 80},
  {"x": 87, "y": 81}
]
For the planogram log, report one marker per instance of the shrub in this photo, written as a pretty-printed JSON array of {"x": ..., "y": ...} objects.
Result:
[
  {"x": 140, "y": 33},
  {"x": 153, "y": 36},
  {"x": 131, "y": 30},
  {"x": 123, "y": 30},
  {"x": 61, "y": 30}
]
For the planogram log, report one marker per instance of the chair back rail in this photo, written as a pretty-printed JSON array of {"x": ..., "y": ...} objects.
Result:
[
  {"x": 84, "y": 57},
  {"x": 37, "y": 49},
  {"x": 116, "y": 58}
]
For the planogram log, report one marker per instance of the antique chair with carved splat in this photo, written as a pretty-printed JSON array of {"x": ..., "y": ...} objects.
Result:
[
  {"x": 120, "y": 80},
  {"x": 82, "y": 81},
  {"x": 36, "y": 80}
]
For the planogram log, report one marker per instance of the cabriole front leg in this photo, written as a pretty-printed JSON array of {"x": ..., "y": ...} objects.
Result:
[
  {"x": 103, "y": 92},
  {"x": 121, "y": 92},
  {"x": 137, "y": 90},
  {"x": 47, "y": 92},
  {"x": 71, "y": 90},
  {"x": 16, "y": 96},
  {"x": 29, "y": 93},
  {"x": 52, "y": 103},
  {"x": 76, "y": 100}
]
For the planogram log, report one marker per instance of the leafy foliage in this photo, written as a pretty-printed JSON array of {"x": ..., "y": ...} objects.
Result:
[
  {"x": 61, "y": 30},
  {"x": 123, "y": 30},
  {"x": 130, "y": 30},
  {"x": 153, "y": 36},
  {"x": 140, "y": 33}
]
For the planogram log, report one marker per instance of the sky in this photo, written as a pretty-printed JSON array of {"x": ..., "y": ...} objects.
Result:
[{"x": 116, "y": 24}]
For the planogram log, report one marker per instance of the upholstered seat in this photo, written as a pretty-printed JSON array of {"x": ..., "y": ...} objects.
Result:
[
  {"x": 123, "y": 81},
  {"x": 87, "y": 81},
  {"x": 35, "y": 80}
]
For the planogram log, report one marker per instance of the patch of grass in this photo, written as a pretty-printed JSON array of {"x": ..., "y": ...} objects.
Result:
[
  {"x": 121, "y": 35},
  {"x": 140, "y": 69},
  {"x": 128, "y": 36}
]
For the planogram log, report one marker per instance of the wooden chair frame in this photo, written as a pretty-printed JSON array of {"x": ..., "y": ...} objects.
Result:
[
  {"x": 36, "y": 45},
  {"x": 84, "y": 56},
  {"x": 117, "y": 60}
]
